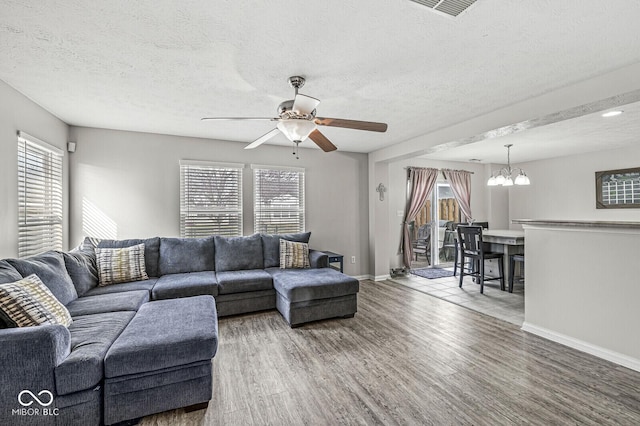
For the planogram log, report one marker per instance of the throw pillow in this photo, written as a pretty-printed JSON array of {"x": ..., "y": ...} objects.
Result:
[
  {"x": 49, "y": 267},
  {"x": 294, "y": 255},
  {"x": 271, "y": 246},
  {"x": 29, "y": 302},
  {"x": 120, "y": 265}
]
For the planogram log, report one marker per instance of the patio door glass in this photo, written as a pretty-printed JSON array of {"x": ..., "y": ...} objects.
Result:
[{"x": 432, "y": 228}]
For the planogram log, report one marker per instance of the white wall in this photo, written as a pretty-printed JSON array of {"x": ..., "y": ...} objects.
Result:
[
  {"x": 480, "y": 197},
  {"x": 564, "y": 188},
  {"x": 582, "y": 289},
  {"x": 130, "y": 182},
  {"x": 17, "y": 112}
]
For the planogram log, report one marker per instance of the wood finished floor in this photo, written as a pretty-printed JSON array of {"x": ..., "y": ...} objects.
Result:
[{"x": 405, "y": 359}]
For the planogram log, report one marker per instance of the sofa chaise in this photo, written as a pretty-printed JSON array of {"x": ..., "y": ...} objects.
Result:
[{"x": 145, "y": 345}]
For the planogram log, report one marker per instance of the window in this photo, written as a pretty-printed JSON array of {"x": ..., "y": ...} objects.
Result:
[
  {"x": 210, "y": 199},
  {"x": 278, "y": 200},
  {"x": 39, "y": 196}
]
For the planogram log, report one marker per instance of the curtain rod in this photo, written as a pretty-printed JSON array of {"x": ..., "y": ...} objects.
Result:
[{"x": 454, "y": 170}]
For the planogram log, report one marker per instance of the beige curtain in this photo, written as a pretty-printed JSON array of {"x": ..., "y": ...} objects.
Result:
[
  {"x": 460, "y": 182},
  {"x": 421, "y": 183}
]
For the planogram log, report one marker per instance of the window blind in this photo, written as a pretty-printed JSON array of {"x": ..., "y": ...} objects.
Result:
[
  {"x": 278, "y": 200},
  {"x": 39, "y": 196},
  {"x": 210, "y": 199}
]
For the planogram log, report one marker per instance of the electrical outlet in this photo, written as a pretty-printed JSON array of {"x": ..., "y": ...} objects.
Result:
[{"x": 353, "y": 259}]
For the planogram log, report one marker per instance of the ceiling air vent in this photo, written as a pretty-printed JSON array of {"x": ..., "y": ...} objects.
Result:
[{"x": 449, "y": 7}]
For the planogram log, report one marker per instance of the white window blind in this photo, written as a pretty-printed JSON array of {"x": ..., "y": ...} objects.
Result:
[
  {"x": 210, "y": 199},
  {"x": 278, "y": 200},
  {"x": 39, "y": 196}
]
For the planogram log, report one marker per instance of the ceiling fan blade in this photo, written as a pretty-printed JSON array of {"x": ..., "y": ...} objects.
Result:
[
  {"x": 304, "y": 104},
  {"x": 262, "y": 139},
  {"x": 371, "y": 126},
  {"x": 322, "y": 141},
  {"x": 240, "y": 118}
]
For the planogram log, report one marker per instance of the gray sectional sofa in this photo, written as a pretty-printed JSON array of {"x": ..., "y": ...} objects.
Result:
[{"x": 142, "y": 347}]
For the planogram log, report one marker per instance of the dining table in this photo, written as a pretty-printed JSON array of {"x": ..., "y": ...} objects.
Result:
[{"x": 506, "y": 241}]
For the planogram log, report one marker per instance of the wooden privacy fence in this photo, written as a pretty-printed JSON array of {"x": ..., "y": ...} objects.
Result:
[{"x": 447, "y": 210}]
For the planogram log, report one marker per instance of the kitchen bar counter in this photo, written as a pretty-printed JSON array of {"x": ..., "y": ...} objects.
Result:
[{"x": 582, "y": 286}]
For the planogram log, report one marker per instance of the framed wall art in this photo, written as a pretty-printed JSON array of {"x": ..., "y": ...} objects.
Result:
[{"x": 618, "y": 189}]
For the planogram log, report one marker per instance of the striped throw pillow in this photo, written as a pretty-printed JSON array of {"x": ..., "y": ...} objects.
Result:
[
  {"x": 29, "y": 302},
  {"x": 294, "y": 255},
  {"x": 120, "y": 265}
]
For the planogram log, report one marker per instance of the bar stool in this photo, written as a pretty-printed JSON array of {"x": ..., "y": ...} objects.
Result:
[
  {"x": 472, "y": 248},
  {"x": 512, "y": 267}
]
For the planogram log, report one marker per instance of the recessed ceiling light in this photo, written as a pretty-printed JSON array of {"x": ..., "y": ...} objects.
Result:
[{"x": 611, "y": 113}]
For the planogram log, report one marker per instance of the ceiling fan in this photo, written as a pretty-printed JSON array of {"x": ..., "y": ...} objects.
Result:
[{"x": 297, "y": 121}]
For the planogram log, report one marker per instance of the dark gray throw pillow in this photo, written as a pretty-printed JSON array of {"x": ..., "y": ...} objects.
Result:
[
  {"x": 179, "y": 255},
  {"x": 238, "y": 253},
  {"x": 82, "y": 268},
  {"x": 271, "y": 246},
  {"x": 50, "y": 268}
]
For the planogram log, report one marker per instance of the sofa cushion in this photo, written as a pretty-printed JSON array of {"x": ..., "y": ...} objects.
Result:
[
  {"x": 121, "y": 265},
  {"x": 298, "y": 285},
  {"x": 271, "y": 246},
  {"x": 83, "y": 270},
  {"x": 294, "y": 255},
  {"x": 185, "y": 285},
  {"x": 110, "y": 302},
  {"x": 238, "y": 253},
  {"x": 91, "y": 338},
  {"x": 164, "y": 334},
  {"x": 151, "y": 251},
  {"x": 123, "y": 287},
  {"x": 179, "y": 255},
  {"x": 8, "y": 273},
  {"x": 244, "y": 281},
  {"x": 28, "y": 302},
  {"x": 49, "y": 267}
]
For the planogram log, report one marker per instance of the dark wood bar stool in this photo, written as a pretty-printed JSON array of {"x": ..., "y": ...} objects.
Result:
[
  {"x": 454, "y": 244},
  {"x": 512, "y": 267},
  {"x": 472, "y": 248}
]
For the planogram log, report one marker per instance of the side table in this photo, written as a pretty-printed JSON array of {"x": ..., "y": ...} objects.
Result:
[{"x": 335, "y": 258}]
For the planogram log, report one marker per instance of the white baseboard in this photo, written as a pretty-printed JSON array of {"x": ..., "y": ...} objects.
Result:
[
  {"x": 362, "y": 277},
  {"x": 600, "y": 352},
  {"x": 381, "y": 277}
]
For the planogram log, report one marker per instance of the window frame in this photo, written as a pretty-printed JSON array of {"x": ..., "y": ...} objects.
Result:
[
  {"x": 40, "y": 196},
  {"x": 228, "y": 210},
  {"x": 259, "y": 209}
]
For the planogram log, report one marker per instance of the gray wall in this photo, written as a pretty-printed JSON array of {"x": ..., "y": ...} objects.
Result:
[
  {"x": 17, "y": 112},
  {"x": 564, "y": 188},
  {"x": 127, "y": 183}
]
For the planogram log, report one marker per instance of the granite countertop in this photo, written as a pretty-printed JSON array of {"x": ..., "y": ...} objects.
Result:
[{"x": 579, "y": 223}]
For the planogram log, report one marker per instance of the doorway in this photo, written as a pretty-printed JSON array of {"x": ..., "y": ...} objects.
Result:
[{"x": 433, "y": 231}]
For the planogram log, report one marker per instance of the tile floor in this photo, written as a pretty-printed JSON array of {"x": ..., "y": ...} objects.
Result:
[{"x": 494, "y": 302}]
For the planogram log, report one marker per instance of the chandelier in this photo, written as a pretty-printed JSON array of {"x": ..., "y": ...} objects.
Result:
[{"x": 504, "y": 176}]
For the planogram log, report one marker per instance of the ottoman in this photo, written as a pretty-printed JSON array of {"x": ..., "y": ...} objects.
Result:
[
  {"x": 305, "y": 295},
  {"x": 162, "y": 360}
]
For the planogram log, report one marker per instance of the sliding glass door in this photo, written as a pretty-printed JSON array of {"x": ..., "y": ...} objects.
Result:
[{"x": 432, "y": 228}]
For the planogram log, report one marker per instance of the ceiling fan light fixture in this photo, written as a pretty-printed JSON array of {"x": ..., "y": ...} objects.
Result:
[{"x": 296, "y": 130}]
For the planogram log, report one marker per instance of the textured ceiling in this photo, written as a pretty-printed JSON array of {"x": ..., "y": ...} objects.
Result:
[{"x": 159, "y": 66}]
